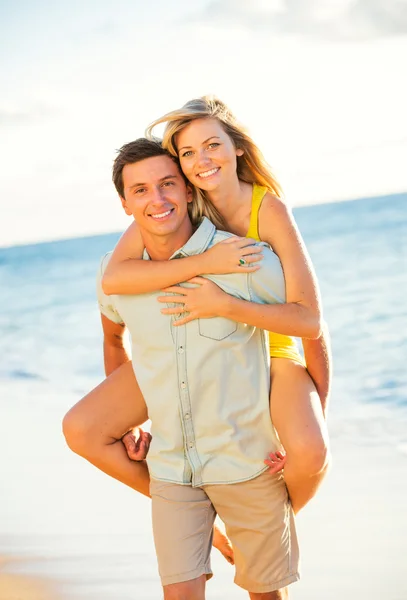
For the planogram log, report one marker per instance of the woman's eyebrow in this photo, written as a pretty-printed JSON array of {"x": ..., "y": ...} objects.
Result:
[{"x": 204, "y": 142}]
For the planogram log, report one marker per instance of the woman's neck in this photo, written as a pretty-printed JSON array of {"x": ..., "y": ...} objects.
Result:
[{"x": 233, "y": 201}]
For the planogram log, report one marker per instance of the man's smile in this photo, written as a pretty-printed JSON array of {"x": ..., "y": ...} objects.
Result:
[{"x": 163, "y": 215}]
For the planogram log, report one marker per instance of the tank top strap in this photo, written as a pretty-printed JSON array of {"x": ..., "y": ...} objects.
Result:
[{"x": 257, "y": 197}]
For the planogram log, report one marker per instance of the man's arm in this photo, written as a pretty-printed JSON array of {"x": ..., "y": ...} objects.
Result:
[
  {"x": 318, "y": 358},
  {"x": 115, "y": 352}
]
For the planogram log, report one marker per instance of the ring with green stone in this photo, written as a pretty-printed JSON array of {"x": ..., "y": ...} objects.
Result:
[{"x": 242, "y": 262}]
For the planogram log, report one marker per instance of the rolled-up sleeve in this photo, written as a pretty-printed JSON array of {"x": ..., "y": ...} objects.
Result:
[
  {"x": 105, "y": 302},
  {"x": 267, "y": 285}
]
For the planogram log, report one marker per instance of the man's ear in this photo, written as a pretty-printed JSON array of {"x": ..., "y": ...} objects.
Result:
[
  {"x": 125, "y": 207},
  {"x": 190, "y": 194}
]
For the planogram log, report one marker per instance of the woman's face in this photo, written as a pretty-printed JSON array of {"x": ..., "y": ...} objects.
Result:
[{"x": 207, "y": 154}]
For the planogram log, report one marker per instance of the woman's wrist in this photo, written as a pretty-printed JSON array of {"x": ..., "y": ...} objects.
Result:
[
  {"x": 225, "y": 306},
  {"x": 202, "y": 264}
]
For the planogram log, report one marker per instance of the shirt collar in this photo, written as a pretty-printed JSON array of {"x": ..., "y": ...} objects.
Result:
[{"x": 197, "y": 243}]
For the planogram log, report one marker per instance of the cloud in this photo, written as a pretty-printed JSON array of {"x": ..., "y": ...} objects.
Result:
[
  {"x": 329, "y": 19},
  {"x": 23, "y": 116}
]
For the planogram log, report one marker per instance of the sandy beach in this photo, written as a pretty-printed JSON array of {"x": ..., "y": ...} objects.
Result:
[
  {"x": 23, "y": 587},
  {"x": 70, "y": 532},
  {"x": 353, "y": 537}
]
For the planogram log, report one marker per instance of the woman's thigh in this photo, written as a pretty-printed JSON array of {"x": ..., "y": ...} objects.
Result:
[
  {"x": 113, "y": 407},
  {"x": 296, "y": 409}
]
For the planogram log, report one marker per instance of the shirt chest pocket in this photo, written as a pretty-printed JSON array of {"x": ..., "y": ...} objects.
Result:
[{"x": 216, "y": 328}]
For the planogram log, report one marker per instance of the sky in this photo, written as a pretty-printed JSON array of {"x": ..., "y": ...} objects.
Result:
[{"x": 319, "y": 83}]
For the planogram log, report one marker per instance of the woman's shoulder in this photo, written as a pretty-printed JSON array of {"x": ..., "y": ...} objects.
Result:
[{"x": 274, "y": 213}]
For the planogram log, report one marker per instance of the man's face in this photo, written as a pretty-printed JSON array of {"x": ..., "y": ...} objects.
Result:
[{"x": 156, "y": 195}]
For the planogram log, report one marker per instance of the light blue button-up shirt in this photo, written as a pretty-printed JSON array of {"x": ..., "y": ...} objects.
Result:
[{"x": 206, "y": 384}]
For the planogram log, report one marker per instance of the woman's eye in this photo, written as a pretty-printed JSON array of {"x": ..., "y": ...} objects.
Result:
[
  {"x": 187, "y": 153},
  {"x": 213, "y": 145}
]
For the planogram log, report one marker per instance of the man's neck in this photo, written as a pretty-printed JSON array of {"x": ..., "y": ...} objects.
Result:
[{"x": 163, "y": 247}]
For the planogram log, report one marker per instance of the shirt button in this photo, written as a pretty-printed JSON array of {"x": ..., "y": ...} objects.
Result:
[
  {"x": 183, "y": 385},
  {"x": 191, "y": 445},
  {"x": 180, "y": 350},
  {"x": 187, "y": 416}
]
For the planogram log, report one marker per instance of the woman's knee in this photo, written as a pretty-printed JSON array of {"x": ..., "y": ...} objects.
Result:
[
  {"x": 77, "y": 431},
  {"x": 310, "y": 454}
]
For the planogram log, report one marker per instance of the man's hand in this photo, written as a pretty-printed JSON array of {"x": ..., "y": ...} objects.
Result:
[{"x": 137, "y": 443}]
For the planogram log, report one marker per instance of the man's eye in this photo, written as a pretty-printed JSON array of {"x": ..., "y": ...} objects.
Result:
[
  {"x": 168, "y": 183},
  {"x": 140, "y": 190}
]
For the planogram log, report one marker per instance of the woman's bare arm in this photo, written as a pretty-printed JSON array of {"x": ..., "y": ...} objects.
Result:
[
  {"x": 299, "y": 316},
  {"x": 127, "y": 273},
  {"x": 318, "y": 358},
  {"x": 277, "y": 227}
]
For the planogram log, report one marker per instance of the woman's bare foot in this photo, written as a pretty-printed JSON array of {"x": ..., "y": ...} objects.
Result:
[
  {"x": 276, "y": 462},
  {"x": 222, "y": 543},
  {"x": 137, "y": 443}
]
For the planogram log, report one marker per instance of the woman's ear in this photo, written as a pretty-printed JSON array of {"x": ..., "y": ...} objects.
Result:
[{"x": 239, "y": 152}]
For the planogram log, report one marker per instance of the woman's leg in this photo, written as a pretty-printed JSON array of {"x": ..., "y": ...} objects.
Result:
[
  {"x": 297, "y": 415},
  {"x": 93, "y": 428}
]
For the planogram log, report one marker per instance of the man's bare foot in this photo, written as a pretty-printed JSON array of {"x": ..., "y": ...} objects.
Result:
[
  {"x": 137, "y": 443},
  {"x": 276, "y": 462},
  {"x": 222, "y": 543}
]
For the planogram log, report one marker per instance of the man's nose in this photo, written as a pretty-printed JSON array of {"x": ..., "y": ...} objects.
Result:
[{"x": 159, "y": 195}]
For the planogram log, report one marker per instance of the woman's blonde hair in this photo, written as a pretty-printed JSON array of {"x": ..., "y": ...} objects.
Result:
[{"x": 251, "y": 166}]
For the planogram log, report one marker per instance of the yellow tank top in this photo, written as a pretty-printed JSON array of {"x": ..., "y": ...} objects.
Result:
[{"x": 281, "y": 346}]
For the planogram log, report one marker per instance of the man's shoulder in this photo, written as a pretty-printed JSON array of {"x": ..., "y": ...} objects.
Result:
[
  {"x": 220, "y": 236},
  {"x": 104, "y": 261}
]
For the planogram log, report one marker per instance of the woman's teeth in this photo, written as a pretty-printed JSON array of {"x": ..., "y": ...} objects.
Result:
[{"x": 208, "y": 173}]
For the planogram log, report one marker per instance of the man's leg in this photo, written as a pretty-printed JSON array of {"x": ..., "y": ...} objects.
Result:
[
  {"x": 259, "y": 521},
  {"x": 187, "y": 590},
  {"x": 183, "y": 519},
  {"x": 277, "y": 595},
  {"x": 94, "y": 426}
]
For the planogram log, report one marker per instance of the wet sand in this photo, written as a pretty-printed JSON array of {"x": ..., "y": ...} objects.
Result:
[
  {"x": 353, "y": 540},
  {"x": 24, "y": 587}
]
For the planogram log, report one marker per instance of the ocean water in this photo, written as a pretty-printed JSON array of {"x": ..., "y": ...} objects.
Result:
[
  {"x": 51, "y": 355},
  {"x": 49, "y": 322}
]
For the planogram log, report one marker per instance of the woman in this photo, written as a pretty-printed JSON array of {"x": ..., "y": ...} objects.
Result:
[{"x": 237, "y": 191}]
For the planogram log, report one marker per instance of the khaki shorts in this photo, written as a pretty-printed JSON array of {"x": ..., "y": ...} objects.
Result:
[{"x": 258, "y": 519}]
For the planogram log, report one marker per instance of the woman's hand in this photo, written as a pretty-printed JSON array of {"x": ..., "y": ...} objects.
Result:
[
  {"x": 202, "y": 302},
  {"x": 233, "y": 255}
]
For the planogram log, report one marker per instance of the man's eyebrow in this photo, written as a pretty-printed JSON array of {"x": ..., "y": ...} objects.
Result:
[
  {"x": 168, "y": 177},
  {"x": 131, "y": 187},
  {"x": 204, "y": 142}
]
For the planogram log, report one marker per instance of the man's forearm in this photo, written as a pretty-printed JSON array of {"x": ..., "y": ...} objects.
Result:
[
  {"x": 318, "y": 357},
  {"x": 114, "y": 356}
]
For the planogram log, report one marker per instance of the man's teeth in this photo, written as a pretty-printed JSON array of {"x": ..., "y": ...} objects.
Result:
[
  {"x": 209, "y": 173},
  {"x": 161, "y": 215}
]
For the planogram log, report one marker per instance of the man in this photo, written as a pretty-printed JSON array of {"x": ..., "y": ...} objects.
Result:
[{"x": 206, "y": 386}]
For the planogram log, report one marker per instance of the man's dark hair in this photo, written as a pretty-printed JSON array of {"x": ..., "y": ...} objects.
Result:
[{"x": 134, "y": 152}]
